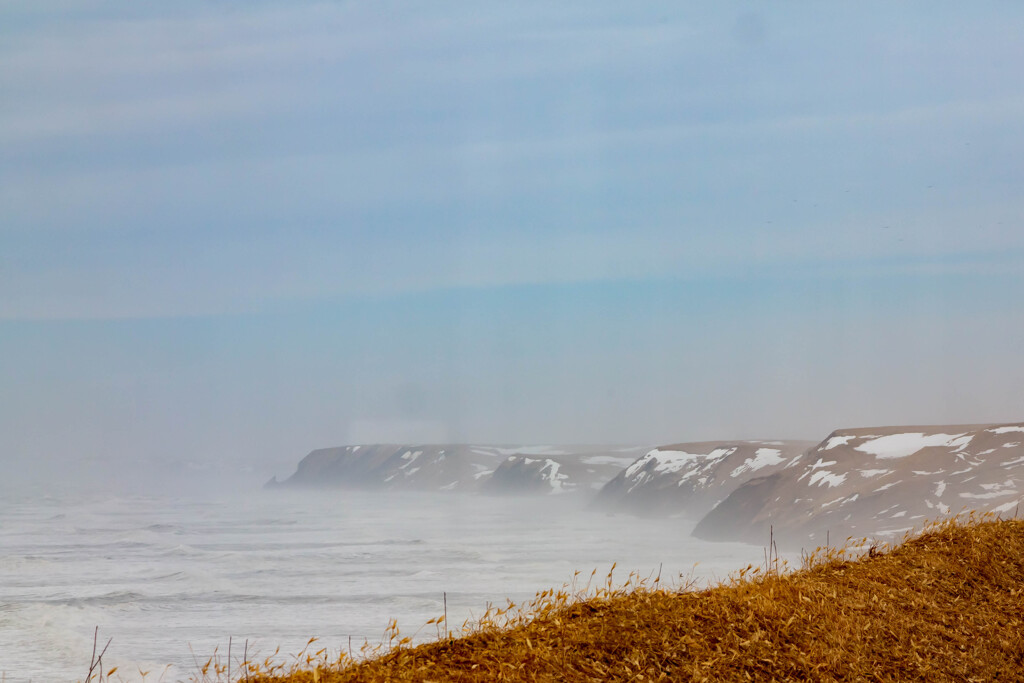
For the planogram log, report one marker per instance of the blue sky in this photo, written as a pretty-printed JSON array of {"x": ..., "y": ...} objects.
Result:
[{"x": 233, "y": 232}]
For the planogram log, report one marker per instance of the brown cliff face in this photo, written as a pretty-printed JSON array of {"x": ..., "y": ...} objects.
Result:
[
  {"x": 574, "y": 472},
  {"x": 878, "y": 482},
  {"x": 390, "y": 466},
  {"x": 464, "y": 467},
  {"x": 690, "y": 478}
]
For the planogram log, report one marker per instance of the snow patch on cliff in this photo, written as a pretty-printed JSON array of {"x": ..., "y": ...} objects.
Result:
[
  {"x": 903, "y": 445},
  {"x": 669, "y": 462},
  {"x": 841, "y": 440},
  {"x": 1006, "y": 430},
  {"x": 764, "y": 457},
  {"x": 826, "y": 477},
  {"x": 867, "y": 474}
]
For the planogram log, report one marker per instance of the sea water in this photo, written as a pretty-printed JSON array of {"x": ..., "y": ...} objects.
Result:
[{"x": 170, "y": 580}]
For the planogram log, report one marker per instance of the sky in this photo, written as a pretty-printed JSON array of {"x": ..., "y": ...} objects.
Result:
[{"x": 231, "y": 233}]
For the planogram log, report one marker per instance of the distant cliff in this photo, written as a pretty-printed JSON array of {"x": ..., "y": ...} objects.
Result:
[
  {"x": 464, "y": 467},
  {"x": 691, "y": 478},
  {"x": 878, "y": 482}
]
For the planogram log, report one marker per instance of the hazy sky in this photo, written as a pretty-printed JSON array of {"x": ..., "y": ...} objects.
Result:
[{"x": 235, "y": 231}]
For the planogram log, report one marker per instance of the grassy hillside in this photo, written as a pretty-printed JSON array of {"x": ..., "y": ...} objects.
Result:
[{"x": 948, "y": 605}]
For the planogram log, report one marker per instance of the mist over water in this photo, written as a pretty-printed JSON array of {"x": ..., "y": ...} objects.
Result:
[{"x": 167, "y": 576}]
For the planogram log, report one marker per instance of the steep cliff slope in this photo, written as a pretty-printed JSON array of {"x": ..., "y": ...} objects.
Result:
[
  {"x": 464, "y": 467},
  {"x": 690, "y": 478},
  {"x": 878, "y": 482}
]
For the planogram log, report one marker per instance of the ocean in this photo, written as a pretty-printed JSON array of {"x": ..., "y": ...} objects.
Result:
[{"x": 171, "y": 580}]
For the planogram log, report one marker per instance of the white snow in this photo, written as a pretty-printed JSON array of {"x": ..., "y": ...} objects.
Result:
[
  {"x": 901, "y": 513},
  {"x": 902, "y": 445},
  {"x": 867, "y": 474},
  {"x": 995, "y": 490},
  {"x": 674, "y": 461},
  {"x": 1018, "y": 461},
  {"x": 943, "y": 508},
  {"x": 1006, "y": 507},
  {"x": 410, "y": 458},
  {"x": 893, "y": 532},
  {"x": 1006, "y": 430},
  {"x": 557, "y": 481},
  {"x": 817, "y": 465},
  {"x": 939, "y": 488},
  {"x": 826, "y": 477},
  {"x": 1011, "y": 445},
  {"x": 983, "y": 496},
  {"x": 961, "y": 443},
  {"x": 841, "y": 500},
  {"x": 762, "y": 458},
  {"x": 889, "y": 485},
  {"x": 838, "y": 441}
]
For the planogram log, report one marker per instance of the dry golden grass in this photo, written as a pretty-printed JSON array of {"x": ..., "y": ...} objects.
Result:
[{"x": 947, "y": 605}]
